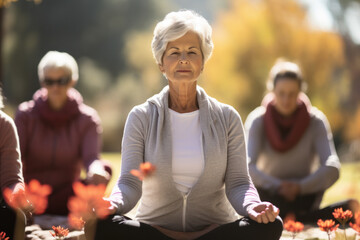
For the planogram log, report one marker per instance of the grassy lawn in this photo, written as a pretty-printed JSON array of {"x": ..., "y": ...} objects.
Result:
[{"x": 346, "y": 187}]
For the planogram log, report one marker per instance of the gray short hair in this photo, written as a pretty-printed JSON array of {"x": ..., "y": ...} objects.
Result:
[
  {"x": 176, "y": 25},
  {"x": 54, "y": 60}
]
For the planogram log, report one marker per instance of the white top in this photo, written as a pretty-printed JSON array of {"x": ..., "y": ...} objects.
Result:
[{"x": 187, "y": 149}]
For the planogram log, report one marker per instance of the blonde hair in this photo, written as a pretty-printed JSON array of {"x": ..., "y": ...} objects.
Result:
[
  {"x": 176, "y": 25},
  {"x": 55, "y": 60}
]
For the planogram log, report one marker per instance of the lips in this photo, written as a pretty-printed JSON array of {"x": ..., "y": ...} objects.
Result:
[{"x": 183, "y": 70}]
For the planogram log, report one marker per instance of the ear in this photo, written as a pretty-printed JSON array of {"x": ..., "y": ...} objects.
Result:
[{"x": 161, "y": 68}]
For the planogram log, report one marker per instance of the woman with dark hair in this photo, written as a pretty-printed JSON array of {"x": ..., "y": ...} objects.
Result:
[{"x": 292, "y": 157}]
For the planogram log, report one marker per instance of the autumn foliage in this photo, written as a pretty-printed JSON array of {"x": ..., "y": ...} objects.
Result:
[{"x": 251, "y": 35}]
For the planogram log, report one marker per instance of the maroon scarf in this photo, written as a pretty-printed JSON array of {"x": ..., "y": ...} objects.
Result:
[
  {"x": 57, "y": 118},
  {"x": 283, "y": 132}
]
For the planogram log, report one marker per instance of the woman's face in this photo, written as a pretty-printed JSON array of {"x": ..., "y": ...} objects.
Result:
[
  {"x": 182, "y": 59},
  {"x": 57, "y": 82},
  {"x": 286, "y": 92}
]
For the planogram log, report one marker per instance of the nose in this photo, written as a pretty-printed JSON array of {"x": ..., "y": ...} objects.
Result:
[{"x": 183, "y": 59}]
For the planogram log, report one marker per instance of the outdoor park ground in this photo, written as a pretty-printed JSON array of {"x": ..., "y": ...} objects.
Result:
[{"x": 346, "y": 187}]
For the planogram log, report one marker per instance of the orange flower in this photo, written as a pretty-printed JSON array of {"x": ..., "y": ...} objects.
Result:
[
  {"x": 59, "y": 232},
  {"x": 37, "y": 195},
  {"x": 76, "y": 222},
  {"x": 146, "y": 169},
  {"x": 356, "y": 225},
  {"x": 88, "y": 202},
  {"x": 357, "y": 218},
  {"x": 327, "y": 225},
  {"x": 3, "y": 236},
  {"x": 16, "y": 200},
  {"x": 293, "y": 226},
  {"x": 341, "y": 216},
  {"x": 34, "y": 197}
]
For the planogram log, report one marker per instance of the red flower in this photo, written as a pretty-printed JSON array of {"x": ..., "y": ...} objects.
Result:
[
  {"x": 88, "y": 202},
  {"x": 146, "y": 169},
  {"x": 59, "y": 232},
  {"x": 3, "y": 236},
  {"x": 341, "y": 216},
  {"x": 35, "y": 197},
  {"x": 327, "y": 225}
]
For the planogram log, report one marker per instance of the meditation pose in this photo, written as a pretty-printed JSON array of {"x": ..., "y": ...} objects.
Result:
[
  {"x": 201, "y": 184},
  {"x": 60, "y": 135},
  {"x": 292, "y": 157}
]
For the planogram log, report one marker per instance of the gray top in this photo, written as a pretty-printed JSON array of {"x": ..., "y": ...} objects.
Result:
[
  {"x": 312, "y": 162},
  {"x": 223, "y": 189}
]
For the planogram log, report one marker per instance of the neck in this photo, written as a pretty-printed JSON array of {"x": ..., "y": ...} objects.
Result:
[
  {"x": 57, "y": 105},
  {"x": 182, "y": 97}
]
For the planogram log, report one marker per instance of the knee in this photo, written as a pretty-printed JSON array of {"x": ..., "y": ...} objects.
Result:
[{"x": 273, "y": 230}]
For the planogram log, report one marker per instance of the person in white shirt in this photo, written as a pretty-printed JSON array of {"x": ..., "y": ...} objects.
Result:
[{"x": 201, "y": 184}]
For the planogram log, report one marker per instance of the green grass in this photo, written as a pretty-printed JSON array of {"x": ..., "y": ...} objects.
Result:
[{"x": 346, "y": 187}]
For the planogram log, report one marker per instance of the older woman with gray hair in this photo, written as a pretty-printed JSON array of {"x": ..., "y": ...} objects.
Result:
[
  {"x": 201, "y": 184},
  {"x": 59, "y": 135}
]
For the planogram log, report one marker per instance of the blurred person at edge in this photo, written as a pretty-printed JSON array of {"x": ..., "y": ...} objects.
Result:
[
  {"x": 59, "y": 135},
  {"x": 287, "y": 139},
  {"x": 12, "y": 221},
  {"x": 201, "y": 184}
]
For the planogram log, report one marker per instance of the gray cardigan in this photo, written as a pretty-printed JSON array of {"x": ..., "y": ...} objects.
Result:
[
  {"x": 312, "y": 162},
  {"x": 223, "y": 190}
]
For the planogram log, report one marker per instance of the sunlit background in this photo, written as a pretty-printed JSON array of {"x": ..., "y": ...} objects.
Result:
[{"x": 111, "y": 41}]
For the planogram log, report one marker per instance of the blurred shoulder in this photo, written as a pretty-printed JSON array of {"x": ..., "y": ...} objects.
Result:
[
  {"x": 6, "y": 120},
  {"x": 255, "y": 117},
  {"x": 89, "y": 113},
  {"x": 26, "y": 107}
]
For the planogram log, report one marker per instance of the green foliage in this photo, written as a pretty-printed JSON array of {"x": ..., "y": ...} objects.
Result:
[{"x": 110, "y": 41}]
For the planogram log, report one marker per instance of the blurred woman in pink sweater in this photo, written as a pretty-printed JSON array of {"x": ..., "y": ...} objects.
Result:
[{"x": 59, "y": 135}]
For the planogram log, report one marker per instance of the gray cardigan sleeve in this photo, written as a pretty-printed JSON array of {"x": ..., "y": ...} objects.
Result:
[
  {"x": 128, "y": 189},
  {"x": 328, "y": 172},
  {"x": 239, "y": 187},
  {"x": 255, "y": 136}
]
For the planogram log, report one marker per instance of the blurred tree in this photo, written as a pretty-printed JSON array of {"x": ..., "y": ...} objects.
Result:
[
  {"x": 86, "y": 29},
  {"x": 248, "y": 39},
  {"x": 101, "y": 35},
  {"x": 345, "y": 12}
]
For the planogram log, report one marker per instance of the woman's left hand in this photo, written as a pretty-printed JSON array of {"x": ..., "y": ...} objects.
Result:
[{"x": 263, "y": 212}]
